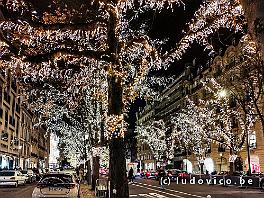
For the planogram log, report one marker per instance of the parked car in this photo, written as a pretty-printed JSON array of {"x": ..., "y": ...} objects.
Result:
[
  {"x": 173, "y": 174},
  {"x": 57, "y": 185},
  {"x": 150, "y": 175},
  {"x": 183, "y": 175},
  {"x": 12, "y": 177},
  {"x": 30, "y": 175}
]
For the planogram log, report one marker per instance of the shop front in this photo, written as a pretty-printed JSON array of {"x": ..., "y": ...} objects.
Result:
[
  {"x": 209, "y": 165},
  {"x": 254, "y": 164},
  {"x": 6, "y": 162},
  {"x": 149, "y": 165}
]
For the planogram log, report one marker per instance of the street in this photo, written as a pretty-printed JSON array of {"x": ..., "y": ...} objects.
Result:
[
  {"x": 19, "y": 192},
  {"x": 150, "y": 188}
]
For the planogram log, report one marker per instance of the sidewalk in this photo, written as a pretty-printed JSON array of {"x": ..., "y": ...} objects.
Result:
[{"x": 86, "y": 192}]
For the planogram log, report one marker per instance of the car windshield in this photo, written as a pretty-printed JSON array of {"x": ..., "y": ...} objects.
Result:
[
  {"x": 7, "y": 173},
  {"x": 65, "y": 178},
  {"x": 23, "y": 172}
]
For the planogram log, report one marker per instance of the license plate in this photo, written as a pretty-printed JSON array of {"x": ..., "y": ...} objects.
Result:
[{"x": 55, "y": 189}]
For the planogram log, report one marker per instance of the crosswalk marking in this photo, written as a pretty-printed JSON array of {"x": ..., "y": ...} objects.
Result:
[
  {"x": 159, "y": 191},
  {"x": 150, "y": 195},
  {"x": 176, "y": 191}
]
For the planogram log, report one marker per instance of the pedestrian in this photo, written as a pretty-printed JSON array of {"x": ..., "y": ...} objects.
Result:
[
  {"x": 131, "y": 174},
  {"x": 161, "y": 176}
]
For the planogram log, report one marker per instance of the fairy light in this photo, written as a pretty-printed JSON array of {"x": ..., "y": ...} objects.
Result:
[{"x": 86, "y": 48}]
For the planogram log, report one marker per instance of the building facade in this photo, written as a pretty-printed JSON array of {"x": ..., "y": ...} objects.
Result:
[
  {"x": 189, "y": 83},
  {"x": 20, "y": 144}
]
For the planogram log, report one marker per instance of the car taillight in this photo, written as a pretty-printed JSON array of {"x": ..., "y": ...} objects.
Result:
[
  {"x": 169, "y": 174},
  {"x": 180, "y": 174},
  {"x": 70, "y": 186},
  {"x": 12, "y": 178}
]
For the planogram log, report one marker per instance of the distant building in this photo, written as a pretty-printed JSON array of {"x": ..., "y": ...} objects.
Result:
[{"x": 20, "y": 144}]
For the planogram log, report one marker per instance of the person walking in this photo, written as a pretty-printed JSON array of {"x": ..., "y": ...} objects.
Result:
[
  {"x": 161, "y": 176},
  {"x": 131, "y": 175}
]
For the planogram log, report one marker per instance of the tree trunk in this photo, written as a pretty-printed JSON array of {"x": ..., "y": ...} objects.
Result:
[
  {"x": 117, "y": 164},
  {"x": 95, "y": 175},
  {"x": 231, "y": 164},
  {"x": 118, "y": 176},
  {"x": 88, "y": 176},
  {"x": 255, "y": 18}
]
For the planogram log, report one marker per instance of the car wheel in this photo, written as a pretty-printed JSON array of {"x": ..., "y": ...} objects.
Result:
[
  {"x": 262, "y": 184},
  {"x": 16, "y": 184}
]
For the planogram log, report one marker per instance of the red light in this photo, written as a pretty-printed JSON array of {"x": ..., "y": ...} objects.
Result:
[{"x": 169, "y": 174}]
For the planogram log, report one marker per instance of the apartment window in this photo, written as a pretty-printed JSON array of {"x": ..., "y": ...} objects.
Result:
[
  {"x": 253, "y": 140},
  {"x": 13, "y": 105},
  {"x": 17, "y": 127},
  {"x": 13, "y": 85},
  {"x": 6, "y": 118},
  {"x": 17, "y": 108},
  {"x": 4, "y": 136},
  {"x": 12, "y": 120}
]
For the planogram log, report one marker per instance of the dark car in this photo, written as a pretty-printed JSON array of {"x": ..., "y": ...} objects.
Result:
[
  {"x": 57, "y": 185},
  {"x": 173, "y": 174},
  {"x": 151, "y": 175}
]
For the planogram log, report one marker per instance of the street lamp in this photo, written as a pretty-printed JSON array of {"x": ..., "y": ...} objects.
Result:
[
  {"x": 222, "y": 93},
  {"x": 19, "y": 150}
]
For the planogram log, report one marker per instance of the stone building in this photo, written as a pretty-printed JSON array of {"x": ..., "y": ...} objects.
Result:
[
  {"x": 20, "y": 144},
  {"x": 188, "y": 83}
]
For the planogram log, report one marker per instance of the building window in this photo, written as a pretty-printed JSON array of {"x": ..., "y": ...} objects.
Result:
[
  {"x": 253, "y": 140},
  {"x": 6, "y": 118}
]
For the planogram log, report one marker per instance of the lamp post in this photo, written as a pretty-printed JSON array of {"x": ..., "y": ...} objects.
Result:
[{"x": 19, "y": 150}]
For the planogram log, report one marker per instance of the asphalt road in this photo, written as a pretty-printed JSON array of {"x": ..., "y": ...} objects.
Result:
[
  {"x": 151, "y": 189},
  {"x": 19, "y": 192}
]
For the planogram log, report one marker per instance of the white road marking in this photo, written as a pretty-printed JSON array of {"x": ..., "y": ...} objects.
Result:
[
  {"x": 152, "y": 195},
  {"x": 167, "y": 189},
  {"x": 159, "y": 191},
  {"x": 158, "y": 195}
]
